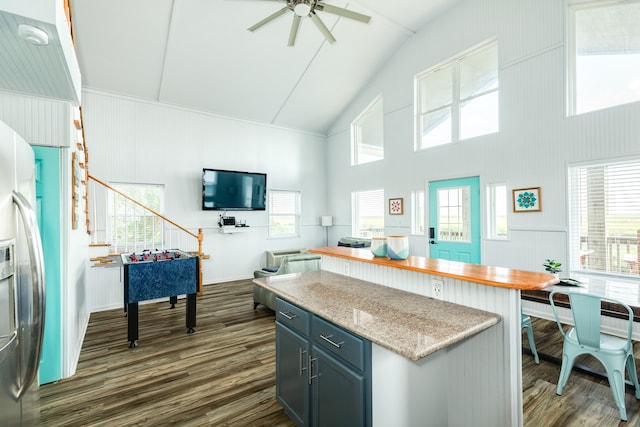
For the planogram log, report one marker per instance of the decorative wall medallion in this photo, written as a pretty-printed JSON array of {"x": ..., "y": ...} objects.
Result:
[{"x": 527, "y": 200}]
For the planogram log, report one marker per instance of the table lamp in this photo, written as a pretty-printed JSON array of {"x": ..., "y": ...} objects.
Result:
[{"x": 326, "y": 221}]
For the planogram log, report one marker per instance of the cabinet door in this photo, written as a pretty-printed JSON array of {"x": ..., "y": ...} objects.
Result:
[
  {"x": 292, "y": 374},
  {"x": 338, "y": 393}
]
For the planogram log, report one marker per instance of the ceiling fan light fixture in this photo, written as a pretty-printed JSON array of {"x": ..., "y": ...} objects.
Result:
[
  {"x": 302, "y": 8},
  {"x": 308, "y": 8}
]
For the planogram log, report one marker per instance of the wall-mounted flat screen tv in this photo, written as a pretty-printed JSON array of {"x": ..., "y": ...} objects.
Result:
[{"x": 233, "y": 190}]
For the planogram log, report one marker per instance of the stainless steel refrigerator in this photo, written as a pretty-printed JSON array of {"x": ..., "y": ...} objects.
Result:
[{"x": 22, "y": 303}]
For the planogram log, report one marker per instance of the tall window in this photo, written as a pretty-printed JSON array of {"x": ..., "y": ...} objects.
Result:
[
  {"x": 367, "y": 134},
  {"x": 497, "y": 211},
  {"x": 458, "y": 100},
  {"x": 605, "y": 54},
  {"x": 284, "y": 213},
  {"x": 417, "y": 212},
  {"x": 131, "y": 227},
  {"x": 605, "y": 217},
  {"x": 368, "y": 213}
]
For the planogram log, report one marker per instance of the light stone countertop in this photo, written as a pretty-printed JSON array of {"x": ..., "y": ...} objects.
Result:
[{"x": 411, "y": 325}]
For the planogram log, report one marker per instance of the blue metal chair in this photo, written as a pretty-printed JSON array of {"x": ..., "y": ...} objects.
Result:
[
  {"x": 526, "y": 324},
  {"x": 585, "y": 337}
]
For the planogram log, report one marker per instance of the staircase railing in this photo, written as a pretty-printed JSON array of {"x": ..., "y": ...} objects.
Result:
[{"x": 166, "y": 236}]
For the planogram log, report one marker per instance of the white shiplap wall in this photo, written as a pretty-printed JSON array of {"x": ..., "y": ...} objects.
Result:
[
  {"x": 39, "y": 121},
  {"x": 132, "y": 140},
  {"x": 536, "y": 142}
]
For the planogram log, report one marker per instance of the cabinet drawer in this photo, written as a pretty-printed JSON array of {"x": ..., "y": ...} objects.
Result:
[
  {"x": 292, "y": 316},
  {"x": 336, "y": 340}
]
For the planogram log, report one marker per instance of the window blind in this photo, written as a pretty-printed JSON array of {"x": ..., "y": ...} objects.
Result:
[
  {"x": 130, "y": 226},
  {"x": 605, "y": 217},
  {"x": 284, "y": 213},
  {"x": 283, "y": 203},
  {"x": 369, "y": 213}
]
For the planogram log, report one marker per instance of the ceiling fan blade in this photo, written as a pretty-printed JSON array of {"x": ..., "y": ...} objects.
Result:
[
  {"x": 294, "y": 30},
  {"x": 269, "y": 18},
  {"x": 323, "y": 28},
  {"x": 343, "y": 12}
]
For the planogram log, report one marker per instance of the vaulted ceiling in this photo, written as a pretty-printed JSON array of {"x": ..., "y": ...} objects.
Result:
[{"x": 199, "y": 54}]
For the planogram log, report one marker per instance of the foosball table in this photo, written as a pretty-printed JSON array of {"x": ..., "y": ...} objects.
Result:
[{"x": 152, "y": 275}]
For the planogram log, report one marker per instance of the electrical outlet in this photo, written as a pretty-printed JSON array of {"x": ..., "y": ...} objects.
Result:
[
  {"x": 437, "y": 287},
  {"x": 346, "y": 268}
]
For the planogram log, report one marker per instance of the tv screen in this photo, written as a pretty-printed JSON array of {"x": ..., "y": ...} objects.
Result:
[{"x": 233, "y": 190}]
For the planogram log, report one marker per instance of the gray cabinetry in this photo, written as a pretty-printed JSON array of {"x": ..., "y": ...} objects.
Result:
[
  {"x": 292, "y": 361},
  {"x": 323, "y": 373},
  {"x": 292, "y": 382}
]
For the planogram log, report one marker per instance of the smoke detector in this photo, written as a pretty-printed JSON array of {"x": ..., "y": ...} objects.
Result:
[{"x": 33, "y": 35}]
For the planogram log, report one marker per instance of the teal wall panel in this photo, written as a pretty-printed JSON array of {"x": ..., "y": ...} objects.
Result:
[{"x": 48, "y": 206}]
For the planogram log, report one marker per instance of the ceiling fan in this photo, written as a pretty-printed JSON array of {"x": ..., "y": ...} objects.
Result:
[{"x": 302, "y": 8}]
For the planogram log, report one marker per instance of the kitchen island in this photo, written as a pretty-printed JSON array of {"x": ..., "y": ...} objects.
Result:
[
  {"x": 487, "y": 372},
  {"x": 409, "y": 337}
]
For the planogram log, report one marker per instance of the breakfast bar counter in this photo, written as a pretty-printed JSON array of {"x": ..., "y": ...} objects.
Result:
[{"x": 483, "y": 274}]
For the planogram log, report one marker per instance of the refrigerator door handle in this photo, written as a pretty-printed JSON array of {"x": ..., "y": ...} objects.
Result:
[
  {"x": 37, "y": 280},
  {"x": 9, "y": 345}
]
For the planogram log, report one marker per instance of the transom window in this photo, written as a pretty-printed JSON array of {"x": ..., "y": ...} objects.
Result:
[
  {"x": 605, "y": 217},
  {"x": 368, "y": 213},
  {"x": 284, "y": 213},
  {"x": 605, "y": 54},
  {"x": 367, "y": 134},
  {"x": 459, "y": 99}
]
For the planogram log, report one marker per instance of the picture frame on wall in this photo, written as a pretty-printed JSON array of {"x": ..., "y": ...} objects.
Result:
[
  {"x": 396, "y": 206},
  {"x": 527, "y": 199}
]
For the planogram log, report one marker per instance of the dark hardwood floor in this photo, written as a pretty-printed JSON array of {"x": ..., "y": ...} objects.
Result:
[
  {"x": 585, "y": 401},
  {"x": 224, "y": 374}
]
